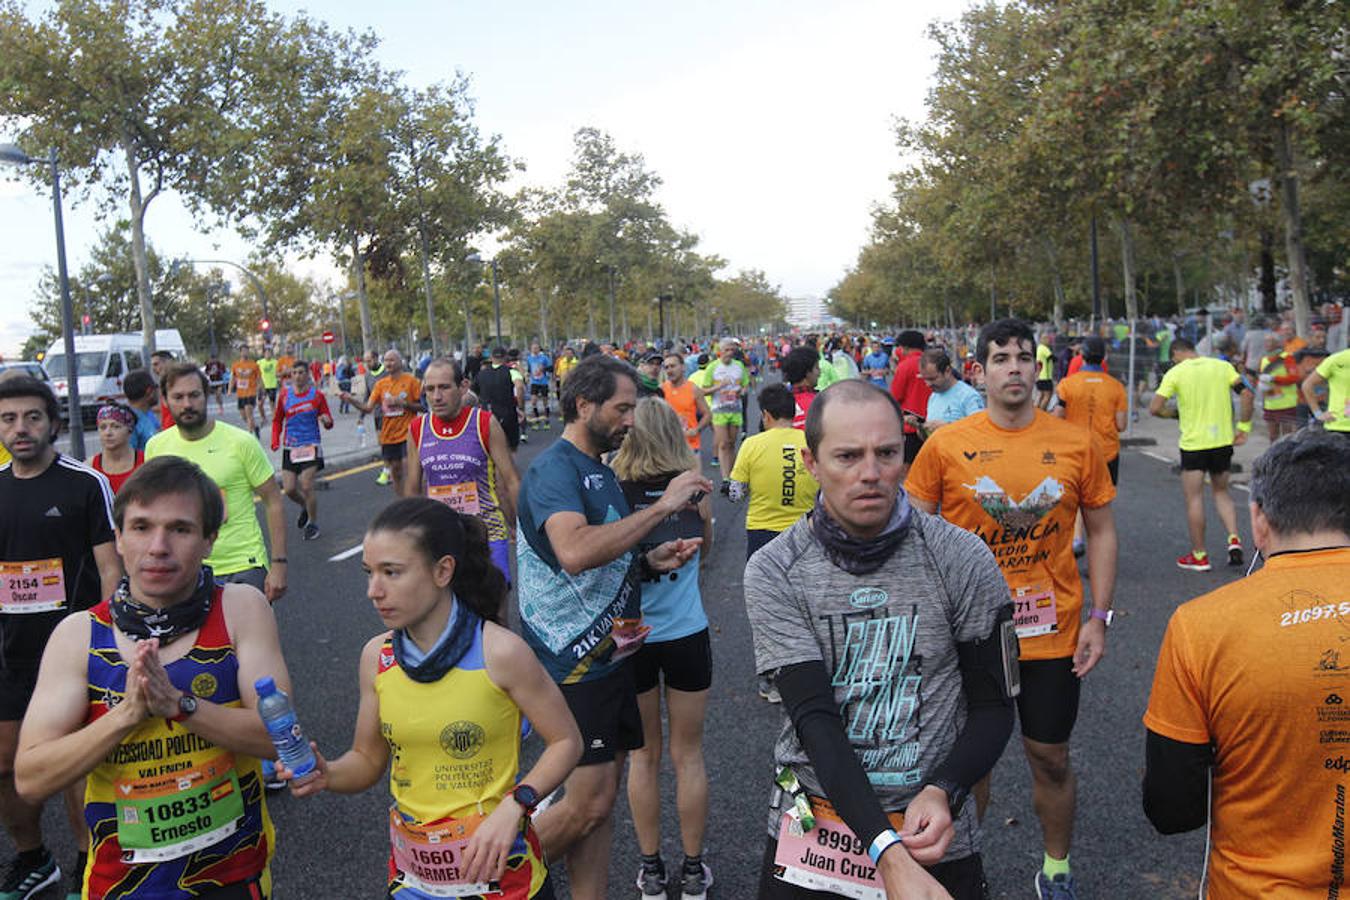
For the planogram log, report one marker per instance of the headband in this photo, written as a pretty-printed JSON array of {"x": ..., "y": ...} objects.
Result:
[{"x": 117, "y": 413}]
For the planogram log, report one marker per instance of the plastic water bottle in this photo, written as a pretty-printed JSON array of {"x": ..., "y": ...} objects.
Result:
[
  {"x": 284, "y": 728},
  {"x": 361, "y": 432}
]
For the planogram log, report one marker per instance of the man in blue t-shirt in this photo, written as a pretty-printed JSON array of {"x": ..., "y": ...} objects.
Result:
[
  {"x": 951, "y": 399},
  {"x": 876, "y": 366},
  {"x": 539, "y": 364},
  {"x": 143, "y": 397},
  {"x": 580, "y": 600}
]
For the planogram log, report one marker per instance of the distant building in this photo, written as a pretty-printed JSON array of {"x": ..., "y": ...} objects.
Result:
[{"x": 810, "y": 313}]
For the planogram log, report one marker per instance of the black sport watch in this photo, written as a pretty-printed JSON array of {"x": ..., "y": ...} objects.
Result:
[{"x": 526, "y": 796}]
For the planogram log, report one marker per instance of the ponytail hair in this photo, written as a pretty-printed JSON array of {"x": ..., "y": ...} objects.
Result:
[{"x": 440, "y": 531}]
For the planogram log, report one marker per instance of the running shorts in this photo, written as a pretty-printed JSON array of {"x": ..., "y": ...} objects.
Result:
[
  {"x": 1215, "y": 460},
  {"x": 393, "y": 452},
  {"x": 539, "y": 390},
  {"x": 1048, "y": 705},
  {"x": 685, "y": 663},
  {"x": 607, "y": 715},
  {"x": 297, "y": 468},
  {"x": 1113, "y": 467},
  {"x": 728, "y": 418},
  {"x": 16, "y": 689},
  {"x": 247, "y": 401}
]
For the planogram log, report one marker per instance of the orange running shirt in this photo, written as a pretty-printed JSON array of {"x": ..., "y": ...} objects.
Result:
[
  {"x": 401, "y": 387},
  {"x": 1091, "y": 400},
  {"x": 683, "y": 400},
  {"x": 1260, "y": 669},
  {"x": 247, "y": 378},
  {"x": 1020, "y": 492}
]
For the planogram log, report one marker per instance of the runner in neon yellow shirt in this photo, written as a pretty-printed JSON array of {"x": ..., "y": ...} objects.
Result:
[{"x": 1334, "y": 372}]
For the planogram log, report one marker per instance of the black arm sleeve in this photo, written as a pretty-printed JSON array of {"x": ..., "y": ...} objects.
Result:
[
  {"x": 989, "y": 721},
  {"x": 809, "y": 701},
  {"x": 1176, "y": 783}
]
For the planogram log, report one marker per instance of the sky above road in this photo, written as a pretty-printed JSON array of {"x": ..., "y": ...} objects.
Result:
[{"x": 771, "y": 123}]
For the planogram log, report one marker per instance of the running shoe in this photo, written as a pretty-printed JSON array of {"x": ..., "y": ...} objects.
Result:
[
  {"x": 524, "y": 438},
  {"x": 21, "y": 881},
  {"x": 1061, "y": 887},
  {"x": 651, "y": 882},
  {"x": 383, "y": 477},
  {"x": 1194, "y": 563},
  {"x": 714, "y": 462},
  {"x": 311, "y": 532},
  {"x": 769, "y": 691},
  {"x": 303, "y": 519},
  {"x": 1235, "y": 557},
  {"x": 694, "y": 885}
]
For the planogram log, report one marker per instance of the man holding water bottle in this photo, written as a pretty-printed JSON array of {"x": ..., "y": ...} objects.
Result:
[{"x": 150, "y": 695}]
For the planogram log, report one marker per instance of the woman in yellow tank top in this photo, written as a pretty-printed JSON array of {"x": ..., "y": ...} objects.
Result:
[{"x": 442, "y": 698}]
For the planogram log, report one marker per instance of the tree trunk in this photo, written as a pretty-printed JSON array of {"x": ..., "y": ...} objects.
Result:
[
  {"x": 1127, "y": 268},
  {"x": 138, "y": 255},
  {"x": 1180, "y": 284},
  {"x": 359, "y": 264},
  {"x": 1269, "y": 299},
  {"x": 543, "y": 320},
  {"x": 1293, "y": 229},
  {"x": 1057, "y": 281}
]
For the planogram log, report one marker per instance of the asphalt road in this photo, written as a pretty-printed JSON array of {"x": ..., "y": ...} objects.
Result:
[{"x": 336, "y": 846}]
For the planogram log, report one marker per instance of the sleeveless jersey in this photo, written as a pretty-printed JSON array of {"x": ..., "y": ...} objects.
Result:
[
  {"x": 683, "y": 400},
  {"x": 804, "y": 397},
  {"x": 457, "y": 468},
  {"x": 170, "y": 814},
  {"x": 452, "y": 762},
  {"x": 301, "y": 417}
]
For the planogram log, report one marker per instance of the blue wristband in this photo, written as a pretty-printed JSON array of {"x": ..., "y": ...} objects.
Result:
[{"x": 881, "y": 843}]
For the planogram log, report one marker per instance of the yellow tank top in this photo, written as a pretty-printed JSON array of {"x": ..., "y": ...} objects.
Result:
[{"x": 455, "y": 751}]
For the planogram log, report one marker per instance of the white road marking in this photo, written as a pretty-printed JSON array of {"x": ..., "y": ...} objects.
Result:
[
  {"x": 1158, "y": 456},
  {"x": 1241, "y": 487},
  {"x": 346, "y": 554}
]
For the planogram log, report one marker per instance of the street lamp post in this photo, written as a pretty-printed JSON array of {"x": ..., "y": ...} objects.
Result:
[
  {"x": 11, "y": 153},
  {"x": 610, "y": 270},
  {"x": 342, "y": 316},
  {"x": 253, "y": 279}
]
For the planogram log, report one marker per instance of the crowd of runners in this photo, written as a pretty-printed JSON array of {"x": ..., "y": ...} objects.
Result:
[{"x": 931, "y": 557}]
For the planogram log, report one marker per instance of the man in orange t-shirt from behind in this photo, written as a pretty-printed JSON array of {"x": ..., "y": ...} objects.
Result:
[
  {"x": 1248, "y": 722},
  {"x": 1092, "y": 399},
  {"x": 246, "y": 379},
  {"x": 1017, "y": 477},
  {"x": 398, "y": 395}
]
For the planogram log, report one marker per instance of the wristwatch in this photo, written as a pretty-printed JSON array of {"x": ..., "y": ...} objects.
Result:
[
  {"x": 1105, "y": 615},
  {"x": 526, "y": 796},
  {"x": 187, "y": 705}
]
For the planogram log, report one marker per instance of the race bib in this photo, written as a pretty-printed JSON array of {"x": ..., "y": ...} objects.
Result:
[
  {"x": 164, "y": 817},
  {"x": 462, "y": 497},
  {"x": 1034, "y": 612},
  {"x": 307, "y": 453},
  {"x": 628, "y": 635},
  {"x": 391, "y": 406},
  {"x": 431, "y": 857},
  {"x": 828, "y": 857},
  {"x": 32, "y": 587}
]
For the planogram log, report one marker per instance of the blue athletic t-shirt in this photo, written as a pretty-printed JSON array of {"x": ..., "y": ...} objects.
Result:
[
  {"x": 569, "y": 620},
  {"x": 671, "y": 606},
  {"x": 539, "y": 364},
  {"x": 877, "y": 360}
]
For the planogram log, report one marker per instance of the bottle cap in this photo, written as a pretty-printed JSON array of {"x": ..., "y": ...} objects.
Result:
[{"x": 265, "y": 685}]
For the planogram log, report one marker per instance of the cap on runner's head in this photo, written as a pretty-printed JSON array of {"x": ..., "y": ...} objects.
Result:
[
  {"x": 499, "y": 352},
  {"x": 1094, "y": 349}
]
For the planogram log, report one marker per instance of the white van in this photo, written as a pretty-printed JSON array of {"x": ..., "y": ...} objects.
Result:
[{"x": 102, "y": 361}]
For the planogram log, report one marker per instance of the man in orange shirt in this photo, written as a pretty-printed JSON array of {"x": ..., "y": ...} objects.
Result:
[
  {"x": 398, "y": 395},
  {"x": 1017, "y": 477},
  {"x": 246, "y": 378},
  {"x": 1248, "y": 725},
  {"x": 1092, "y": 399},
  {"x": 686, "y": 399}
]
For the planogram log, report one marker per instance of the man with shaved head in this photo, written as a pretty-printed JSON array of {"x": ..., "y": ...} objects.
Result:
[
  {"x": 398, "y": 395},
  {"x": 889, "y": 634}
]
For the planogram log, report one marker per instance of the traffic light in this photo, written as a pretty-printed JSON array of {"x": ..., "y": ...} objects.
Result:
[{"x": 266, "y": 325}]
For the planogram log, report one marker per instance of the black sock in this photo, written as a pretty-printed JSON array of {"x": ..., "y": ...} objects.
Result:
[
  {"x": 652, "y": 863},
  {"x": 693, "y": 864},
  {"x": 33, "y": 858}
]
